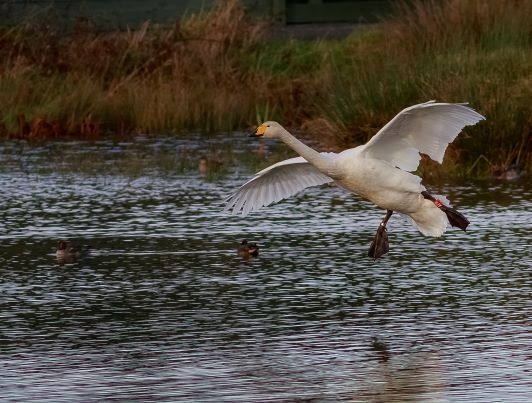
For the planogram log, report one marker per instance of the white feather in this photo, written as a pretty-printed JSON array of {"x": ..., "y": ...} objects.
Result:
[
  {"x": 426, "y": 128},
  {"x": 277, "y": 182}
]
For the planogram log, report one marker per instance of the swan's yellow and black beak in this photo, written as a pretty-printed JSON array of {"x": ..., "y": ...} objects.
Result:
[{"x": 259, "y": 131}]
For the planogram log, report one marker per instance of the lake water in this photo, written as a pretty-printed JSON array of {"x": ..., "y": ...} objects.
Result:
[{"x": 163, "y": 309}]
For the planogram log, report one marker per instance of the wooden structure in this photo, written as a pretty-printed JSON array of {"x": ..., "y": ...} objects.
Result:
[{"x": 132, "y": 13}]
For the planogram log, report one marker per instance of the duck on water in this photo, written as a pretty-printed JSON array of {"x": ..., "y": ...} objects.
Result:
[
  {"x": 246, "y": 249},
  {"x": 379, "y": 171},
  {"x": 66, "y": 251}
]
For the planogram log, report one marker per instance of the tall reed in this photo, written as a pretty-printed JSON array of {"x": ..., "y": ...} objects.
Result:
[
  {"x": 155, "y": 79},
  {"x": 220, "y": 70},
  {"x": 451, "y": 50}
]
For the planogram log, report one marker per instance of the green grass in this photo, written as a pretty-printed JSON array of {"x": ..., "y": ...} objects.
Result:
[{"x": 220, "y": 71}]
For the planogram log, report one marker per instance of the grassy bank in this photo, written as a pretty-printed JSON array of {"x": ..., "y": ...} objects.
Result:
[{"x": 222, "y": 71}]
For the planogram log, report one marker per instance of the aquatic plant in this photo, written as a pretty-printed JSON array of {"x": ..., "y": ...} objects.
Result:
[
  {"x": 221, "y": 70},
  {"x": 475, "y": 51}
]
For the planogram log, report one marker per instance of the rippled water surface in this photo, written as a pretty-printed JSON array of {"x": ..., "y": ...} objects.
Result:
[{"x": 162, "y": 308}]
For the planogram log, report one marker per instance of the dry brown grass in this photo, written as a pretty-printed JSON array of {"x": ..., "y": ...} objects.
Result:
[
  {"x": 436, "y": 24},
  {"x": 186, "y": 76},
  {"x": 218, "y": 71},
  {"x": 478, "y": 51}
]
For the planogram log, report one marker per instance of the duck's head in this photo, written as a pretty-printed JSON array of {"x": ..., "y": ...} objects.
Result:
[
  {"x": 253, "y": 249},
  {"x": 248, "y": 249},
  {"x": 62, "y": 245},
  {"x": 269, "y": 129},
  {"x": 67, "y": 248}
]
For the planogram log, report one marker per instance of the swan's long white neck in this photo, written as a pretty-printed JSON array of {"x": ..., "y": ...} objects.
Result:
[{"x": 320, "y": 161}]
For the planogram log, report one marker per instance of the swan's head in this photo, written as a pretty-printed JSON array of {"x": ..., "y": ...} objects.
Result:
[{"x": 269, "y": 129}]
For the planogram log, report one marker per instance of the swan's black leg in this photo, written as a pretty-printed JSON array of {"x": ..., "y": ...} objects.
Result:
[
  {"x": 455, "y": 218},
  {"x": 380, "y": 246}
]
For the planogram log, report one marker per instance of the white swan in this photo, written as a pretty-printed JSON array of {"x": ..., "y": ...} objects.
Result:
[{"x": 378, "y": 170}]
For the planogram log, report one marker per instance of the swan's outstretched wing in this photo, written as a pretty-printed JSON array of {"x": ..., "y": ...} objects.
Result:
[
  {"x": 275, "y": 183},
  {"x": 427, "y": 128}
]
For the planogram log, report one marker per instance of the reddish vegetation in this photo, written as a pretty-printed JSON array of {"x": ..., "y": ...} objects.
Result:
[{"x": 42, "y": 128}]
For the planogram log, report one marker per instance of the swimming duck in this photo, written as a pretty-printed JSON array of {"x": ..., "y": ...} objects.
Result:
[
  {"x": 246, "y": 249},
  {"x": 510, "y": 173},
  {"x": 67, "y": 252},
  {"x": 381, "y": 348},
  {"x": 211, "y": 164}
]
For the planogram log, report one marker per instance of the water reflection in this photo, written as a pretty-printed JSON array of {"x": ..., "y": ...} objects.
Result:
[{"x": 164, "y": 308}]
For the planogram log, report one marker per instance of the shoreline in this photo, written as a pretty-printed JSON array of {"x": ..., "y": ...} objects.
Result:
[{"x": 222, "y": 71}]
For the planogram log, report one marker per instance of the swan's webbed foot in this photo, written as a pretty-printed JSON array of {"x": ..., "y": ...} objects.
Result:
[
  {"x": 380, "y": 245},
  {"x": 456, "y": 219}
]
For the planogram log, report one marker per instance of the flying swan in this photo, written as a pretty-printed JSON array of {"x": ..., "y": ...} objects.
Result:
[{"x": 379, "y": 170}]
